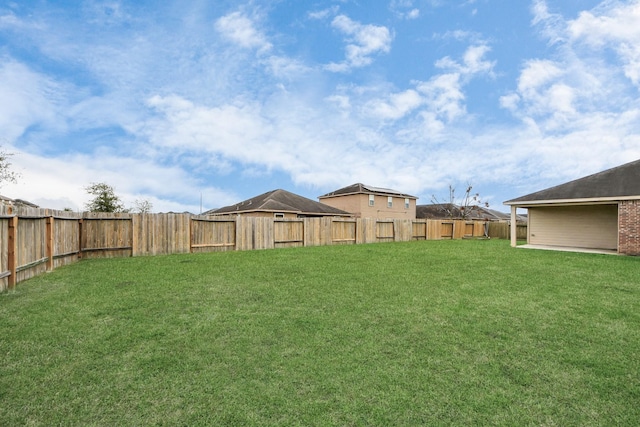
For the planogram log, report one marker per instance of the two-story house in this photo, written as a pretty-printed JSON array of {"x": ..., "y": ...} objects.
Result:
[{"x": 366, "y": 201}]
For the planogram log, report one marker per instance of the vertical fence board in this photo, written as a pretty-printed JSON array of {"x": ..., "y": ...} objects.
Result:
[{"x": 5, "y": 219}]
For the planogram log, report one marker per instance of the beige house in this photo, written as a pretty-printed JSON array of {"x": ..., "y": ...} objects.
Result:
[
  {"x": 598, "y": 212},
  {"x": 279, "y": 204},
  {"x": 365, "y": 201}
]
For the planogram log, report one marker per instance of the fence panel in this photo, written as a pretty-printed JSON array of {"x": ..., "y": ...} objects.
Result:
[
  {"x": 160, "y": 234},
  {"x": 288, "y": 233},
  {"x": 480, "y": 228},
  {"x": 106, "y": 235},
  {"x": 366, "y": 230},
  {"x": 31, "y": 249},
  {"x": 212, "y": 235},
  {"x": 446, "y": 230},
  {"x": 403, "y": 230},
  {"x": 343, "y": 232},
  {"x": 385, "y": 231},
  {"x": 419, "y": 231},
  {"x": 254, "y": 233},
  {"x": 502, "y": 230},
  {"x": 66, "y": 240},
  {"x": 313, "y": 231}
]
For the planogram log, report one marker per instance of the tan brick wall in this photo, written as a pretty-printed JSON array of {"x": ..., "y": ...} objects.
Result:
[{"x": 629, "y": 227}]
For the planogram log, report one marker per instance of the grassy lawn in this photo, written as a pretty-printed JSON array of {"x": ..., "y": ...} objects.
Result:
[{"x": 418, "y": 333}]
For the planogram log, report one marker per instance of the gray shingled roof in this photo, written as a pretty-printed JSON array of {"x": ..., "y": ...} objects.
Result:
[
  {"x": 279, "y": 201},
  {"x": 619, "y": 182},
  {"x": 17, "y": 202},
  {"x": 366, "y": 189},
  {"x": 441, "y": 210}
]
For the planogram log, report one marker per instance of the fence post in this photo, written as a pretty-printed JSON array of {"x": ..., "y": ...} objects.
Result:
[
  {"x": 80, "y": 238},
  {"x": 12, "y": 259},
  {"x": 514, "y": 227},
  {"x": 50, "y": 245}
]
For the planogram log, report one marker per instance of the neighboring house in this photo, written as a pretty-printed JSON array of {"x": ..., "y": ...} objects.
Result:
[
  {"x": 365, "y": 201},
  {"x": 600, "y": 211},
  {"x": 17, "y": 202},
  {"x": 450, "y": 211},
  {"x": 279, "y": 204}
]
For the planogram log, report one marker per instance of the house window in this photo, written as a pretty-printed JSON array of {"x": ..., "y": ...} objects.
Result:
[
  {"x": 371, "y": 199},
  {"x": 389, "y": 202},
  {"x": 279, "y": 215},
  {"x": 406, "y": 203}
]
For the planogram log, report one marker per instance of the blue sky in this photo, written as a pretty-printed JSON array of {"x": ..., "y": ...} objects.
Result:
[{"x": 181, "y": 101}]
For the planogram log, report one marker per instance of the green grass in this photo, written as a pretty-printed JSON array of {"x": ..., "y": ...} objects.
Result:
[{"x": 418, "y": 333}]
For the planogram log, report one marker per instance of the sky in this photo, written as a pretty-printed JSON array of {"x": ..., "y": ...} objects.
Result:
[{"x": 195, "y": 105}]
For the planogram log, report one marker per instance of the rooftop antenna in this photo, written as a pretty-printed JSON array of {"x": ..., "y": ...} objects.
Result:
[{"x": 201, "y": 203}]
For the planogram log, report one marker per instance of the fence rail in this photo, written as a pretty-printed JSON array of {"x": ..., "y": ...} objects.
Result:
[{"x": 33, "y": 241}]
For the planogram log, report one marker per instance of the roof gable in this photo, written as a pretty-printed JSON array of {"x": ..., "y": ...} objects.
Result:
[
  {"x": 621, "y": 182},
  {"x": 280, "y": 201},
  {"x": 360, "y": 188}
]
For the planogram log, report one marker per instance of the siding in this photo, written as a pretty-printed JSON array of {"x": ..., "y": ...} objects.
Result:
[
  {"x": 593, "y": 227},
  {"x": 358, "y": 204}
]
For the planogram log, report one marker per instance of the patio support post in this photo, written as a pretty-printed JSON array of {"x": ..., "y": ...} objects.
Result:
[{"x": 514, "y": 226}]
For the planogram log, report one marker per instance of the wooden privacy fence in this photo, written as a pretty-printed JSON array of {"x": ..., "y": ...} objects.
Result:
[{"x": 34, "y": 241}]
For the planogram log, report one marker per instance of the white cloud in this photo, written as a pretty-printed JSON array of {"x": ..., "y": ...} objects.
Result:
[
  {"x": 397, "y": 106},
  {"x": 444, "y": 96},
  {"x": 238, "y": 28},
  {"x": 286, "y": 68},
  {"x": 324, "y": 13},
  {"x": 363, "y": 41},
  {"x": 552, "y": 25},
  {"x": 579, "y": 111},
  {"x": 28, "y": 99},
  {"x": 61, "y": 181},
  {"x": 473, "y": 61},
  {"x": 617, "y": 28}
]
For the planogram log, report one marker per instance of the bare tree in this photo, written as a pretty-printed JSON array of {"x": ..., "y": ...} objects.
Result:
[
  {"x": 142, "y": 206},
  {"x": 462, "y": 208},
  {"x": 6, "y": 174}
]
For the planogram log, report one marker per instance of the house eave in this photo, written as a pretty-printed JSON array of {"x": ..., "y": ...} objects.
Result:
[
  {"x": 399, "y": 195},
  {"x": 568, "y": 202},
  {"x": 254, "y": 211}
]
